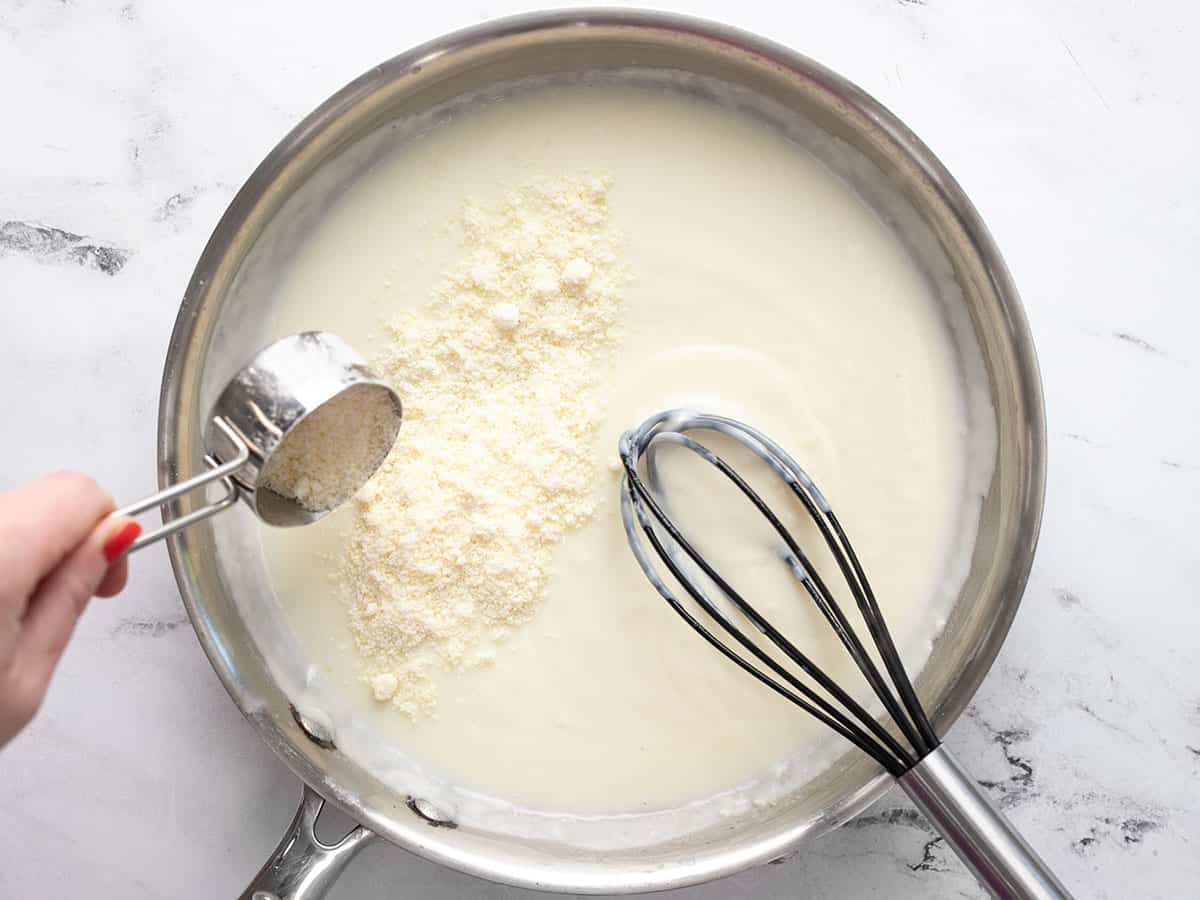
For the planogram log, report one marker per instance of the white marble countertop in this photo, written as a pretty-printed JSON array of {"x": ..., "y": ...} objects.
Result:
[{"x": 1074, "y": 126}]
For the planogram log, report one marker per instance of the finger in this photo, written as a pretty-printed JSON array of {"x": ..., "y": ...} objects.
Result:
[
  {"x": 49, "y": 518},
  {"x": 114, "y": 579},
  {"x": 63, "y": 595}
]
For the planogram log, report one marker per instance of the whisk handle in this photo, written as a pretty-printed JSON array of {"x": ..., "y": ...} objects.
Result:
[{"x": 978, "y": 832}]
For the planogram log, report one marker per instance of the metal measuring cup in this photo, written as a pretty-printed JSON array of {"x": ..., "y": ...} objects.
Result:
[{"x": 258, "y": 408}]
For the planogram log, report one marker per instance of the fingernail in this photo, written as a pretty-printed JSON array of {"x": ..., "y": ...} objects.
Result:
[{"x": 120, "y": 540}]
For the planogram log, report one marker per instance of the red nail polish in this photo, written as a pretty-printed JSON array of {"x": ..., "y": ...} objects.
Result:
[{"x": 121, "y": 539}]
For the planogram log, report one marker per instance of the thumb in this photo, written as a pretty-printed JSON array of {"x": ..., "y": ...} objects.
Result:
[{"x": 63, "y": 594}]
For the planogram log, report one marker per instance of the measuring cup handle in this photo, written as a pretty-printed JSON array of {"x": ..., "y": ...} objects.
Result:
[{"x": 217, "y": 472}]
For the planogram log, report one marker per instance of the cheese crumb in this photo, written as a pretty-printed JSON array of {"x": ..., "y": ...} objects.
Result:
[
  {"x": 506, "y": 315},
  {"x": 452, "y": 541},
  {"x": 577, "y": 272},
  {"x": 383, "y": 686}
]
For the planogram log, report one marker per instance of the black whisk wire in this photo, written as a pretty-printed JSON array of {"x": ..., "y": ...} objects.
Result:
[
  {"x": 644, "y": 510},
  {"x": 895, "y": 755},
  {"x": 882, "y": 637},
  {"x": 809, "y": 577}
]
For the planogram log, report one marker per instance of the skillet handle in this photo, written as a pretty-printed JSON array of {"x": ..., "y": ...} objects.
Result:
[{"x": 303, "y": 868}]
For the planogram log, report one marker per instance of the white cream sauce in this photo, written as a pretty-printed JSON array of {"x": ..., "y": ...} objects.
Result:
[{"x": 764, "y": 288}]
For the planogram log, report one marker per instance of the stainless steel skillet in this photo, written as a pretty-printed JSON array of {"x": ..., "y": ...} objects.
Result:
[{"x": 220, "y": 570}]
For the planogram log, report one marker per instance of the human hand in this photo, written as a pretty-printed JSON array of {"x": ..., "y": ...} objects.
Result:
[{"x": 58, "y": 549}]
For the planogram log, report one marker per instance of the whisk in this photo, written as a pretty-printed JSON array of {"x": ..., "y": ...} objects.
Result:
[{"x": 982, "y": 837}]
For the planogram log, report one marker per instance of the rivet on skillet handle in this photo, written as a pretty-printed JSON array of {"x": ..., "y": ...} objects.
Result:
[{"x": 302, "y": 867}]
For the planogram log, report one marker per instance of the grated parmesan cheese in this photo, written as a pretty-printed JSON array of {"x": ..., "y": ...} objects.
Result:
[
  {"x": 322, "y": 461},
  {"x": 451, "y": 543}
]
